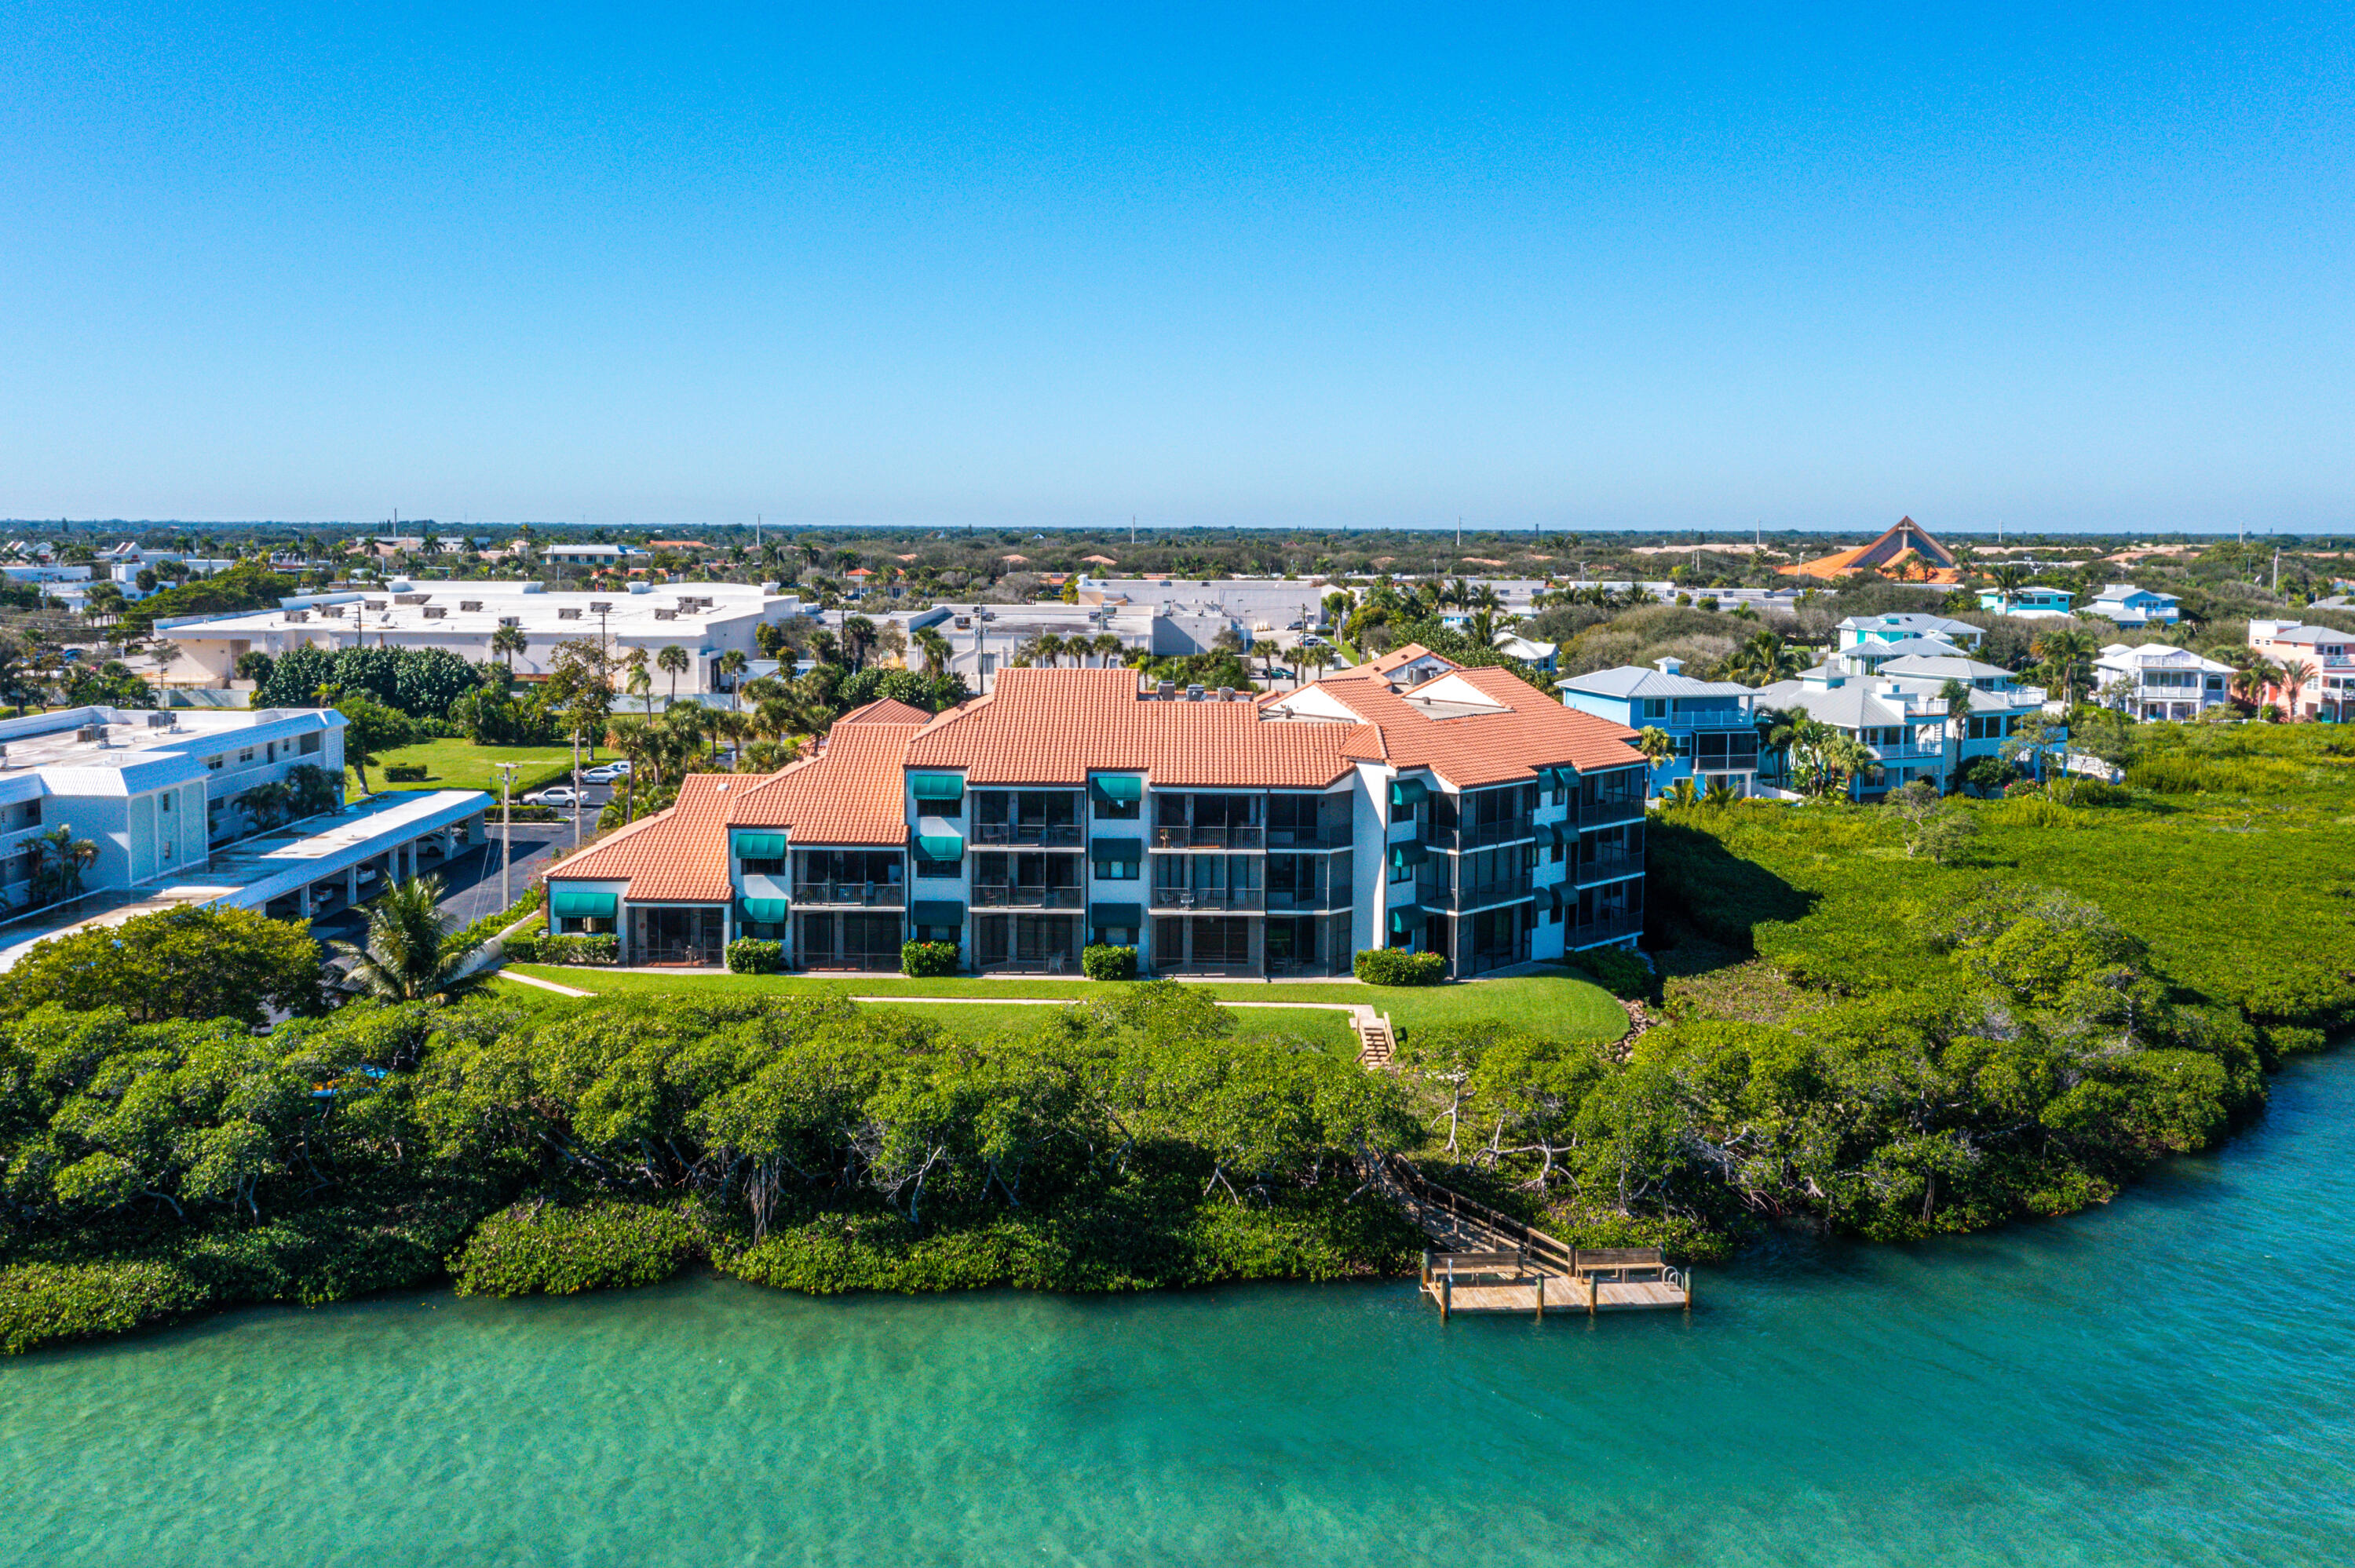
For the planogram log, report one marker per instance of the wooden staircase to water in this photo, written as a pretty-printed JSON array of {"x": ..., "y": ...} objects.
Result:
[
  {"x": 1376, "y": 1046},
  {"x": 1486, "y": 1261}
]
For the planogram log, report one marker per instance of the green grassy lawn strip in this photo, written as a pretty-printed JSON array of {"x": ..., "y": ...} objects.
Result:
[
  {"x": 1557, "y": 1006},
  {"x": 462, "y": 764}
]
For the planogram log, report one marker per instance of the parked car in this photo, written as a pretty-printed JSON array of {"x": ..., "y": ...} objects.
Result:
[
  {"x": 606, "y": 773},
  {"x": 1279, "y": 674},
  {"x": 1297, "y": 626},
  {"x": 1312, "y": 641},
  {"x": 554, "y": 794}
]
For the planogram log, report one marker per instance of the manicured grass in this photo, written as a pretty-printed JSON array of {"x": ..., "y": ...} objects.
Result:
[
  {"x": 1560, "y": 1006},
  {"x": 462, "y": 764}
]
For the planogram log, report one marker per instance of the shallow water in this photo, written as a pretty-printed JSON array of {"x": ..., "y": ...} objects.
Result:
[{"x": 2170, "y": 1379}]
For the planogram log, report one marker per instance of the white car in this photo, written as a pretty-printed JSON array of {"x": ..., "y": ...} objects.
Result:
[
  {"x": 555, "y": 795},
  {"x": 1312, "y": 641},
  {"x": 604, "y": 773}
]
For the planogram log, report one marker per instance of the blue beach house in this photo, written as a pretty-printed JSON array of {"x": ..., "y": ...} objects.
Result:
[{"x": 1709, "y": 720}]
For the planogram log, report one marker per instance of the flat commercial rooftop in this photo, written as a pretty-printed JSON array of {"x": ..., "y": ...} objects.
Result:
[{"x": 249, "y": 874}]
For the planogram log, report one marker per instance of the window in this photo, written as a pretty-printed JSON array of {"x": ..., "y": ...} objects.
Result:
[
  {"x": 245, "y": 757},
  {"x": 310, "y": 744},
  {"x": 164, "y": 801},
  {"x": 1119, "y": 870},
  {"x": 214, "y": 762},
  {"x": 1557, "y": 856},
  {"x": 1656, "y": 707},
  {"x": 926, "y": 866},
  {"x": 1402, "y": 869}
]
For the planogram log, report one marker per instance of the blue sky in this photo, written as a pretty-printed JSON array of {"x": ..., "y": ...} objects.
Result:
[{"x": 1689, "y": 267}]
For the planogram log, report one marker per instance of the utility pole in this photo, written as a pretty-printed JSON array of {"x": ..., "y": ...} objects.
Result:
[
  {"x": 506, "y": 825},
  {"x": 1459, "y": 535},
  {"x": 576, "y": 783}
]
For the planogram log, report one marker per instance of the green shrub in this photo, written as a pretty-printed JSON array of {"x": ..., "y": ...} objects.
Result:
[
  {"x": 405, "y": 773},
  {"x": 2094, "y": 792},
  {"x": 1102, "y": 961},
  {"x": 602, "y": 950},
  {"x": 43, "y": 1302},
  {"x": 540, "y": 1249},
  {"x": 752, "y": 956},
  {"x": 1622, "y": 974},
  {"x": 1392, "y": 966},
  {"x": 926, "y": 961},
  {"x": 523, "y": 948}
]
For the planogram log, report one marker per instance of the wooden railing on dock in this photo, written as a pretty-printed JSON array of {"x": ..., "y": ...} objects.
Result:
[{"x": 1497, "y": 1263}]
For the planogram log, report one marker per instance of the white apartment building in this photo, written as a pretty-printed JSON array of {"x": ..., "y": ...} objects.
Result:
[{"x": 706, "y": 620}]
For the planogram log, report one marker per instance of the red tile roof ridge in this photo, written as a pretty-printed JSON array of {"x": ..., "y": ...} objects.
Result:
[
  {"x": 674, "y": 856},
  {"x": 886, "y": 710}
]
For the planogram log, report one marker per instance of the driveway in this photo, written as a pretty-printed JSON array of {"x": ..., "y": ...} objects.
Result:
[{"x": 471, "y": 881}]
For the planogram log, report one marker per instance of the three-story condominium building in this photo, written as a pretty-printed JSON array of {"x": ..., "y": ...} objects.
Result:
[
  {"x": 1457, "y": 812},
  {"x": 2158, "y": 681},
  {"x": 2316, "y": 666}
]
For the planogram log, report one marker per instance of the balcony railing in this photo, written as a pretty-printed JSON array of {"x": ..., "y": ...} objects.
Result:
[
  {"x": 1310, "y": 838},
  {"x": 1604, "y": 810},
  {"x": 1480, "y": 895},
  {"x": 1605, "y": 867},
  {"x": 1209, "y": 838},
  {"x": 1211, "y": 901},
  {"x": 1310, "y": 902},
  {"x": 1614, "y": 927},
  {"x": 1735, "y": 720},
  {"x": 1038, "y": 835},
  {"x": 865, "y": 895},
  {"x": 1005, "y": 896},
  {"x": 1480, "y": 835}
]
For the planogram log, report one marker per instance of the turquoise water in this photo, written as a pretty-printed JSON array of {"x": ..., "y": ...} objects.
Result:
[{"x": 2166, "y": 1380}]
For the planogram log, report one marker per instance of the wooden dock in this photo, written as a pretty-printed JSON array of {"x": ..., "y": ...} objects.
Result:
[{"x": 1491, "y": 1262}]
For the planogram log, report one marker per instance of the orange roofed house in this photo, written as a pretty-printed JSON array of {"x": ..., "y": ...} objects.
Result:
[
  {"x": 1419, "y": 806},
  {"x": 1907, "y": 550}
]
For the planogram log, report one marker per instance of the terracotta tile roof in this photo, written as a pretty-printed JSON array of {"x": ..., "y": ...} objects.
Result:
[
  {"x": 852, "y": 792},
  {"x": 1527, "y": 731},
  {"x": 1053, "y": 726},
  {"x": 1397, "y": 658},
  {"x": 679, "y": 855},
  {"x": 884, "y": 710}
]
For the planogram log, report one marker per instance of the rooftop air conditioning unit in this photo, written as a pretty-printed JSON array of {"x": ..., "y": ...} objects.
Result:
[
  {"x": 336, "y": 610},
  {"x": 1193, "y": 693},
  {"x": 90, "y": 733},
  {"x": 601, "y": 607},
  {"x": 569, "y": 612},
  {"x": 436, "y": 611},
  {"x": 410, "y": 598},
  {"x": 1167, "y": 691},
  {"x": 470, "y": 606},
  {"x": 296, "y": 617},
  {"x": 666, "y": 615},
  {"x": 375, "y": 603},
  {"x": 161, "y": 721},
  {"x": 511, "y": 621}
]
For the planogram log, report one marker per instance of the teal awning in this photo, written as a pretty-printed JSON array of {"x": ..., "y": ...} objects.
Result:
[
  {"x": 1409, "y": 854},
  {"x": 1116, "y": 849},
  {"x": 1563, "y": 834},
  {"x": 1125, "y": 788},
  {"x": 1402, "y": 922},
  {"x": 763, "y": 911},
  {"x": 937, "y": 912},
  {"x": 759, "y": 846},
  {"x": 1128, "y": 916},
  {"x": 936, "y": 786},
  {"x": 941, "y": 846},
  {"x": 1409, "y": 792},
  {"x": 569, "y": 905}
]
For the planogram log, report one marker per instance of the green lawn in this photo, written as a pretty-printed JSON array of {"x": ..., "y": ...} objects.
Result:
[
  {"x": 462, "y": 764},
  {"x": 1559, "y": 1006}
]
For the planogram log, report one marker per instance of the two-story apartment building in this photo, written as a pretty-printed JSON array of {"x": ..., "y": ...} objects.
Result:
[
  {"x": 1710, "y": 722},
  {"x": 2132, "y": 607},
  {"x": 2158, "y": 681},
  {"x": 1463, "y": 812},
  {"x": 1861, "y": 631},
  {"x": 2325, "y": 656},
  {"x": 1899, "y": 715}
]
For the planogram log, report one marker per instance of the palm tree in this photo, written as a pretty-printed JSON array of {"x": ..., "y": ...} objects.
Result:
[
  {"x": 1680, "y": 794},
  {"x": 2068, "y": 660},
  {"x": 630, "y": 741},
  {"x": 508, "y": 642},
  {"x": 2250, "y": 682},
  {"x": 1956, "y": 695},
  {"x": 935, "y": 648},
  {"x": 412, "y": 951},
  {"x": 1764, "y": 659},
  {"x": 858, "y": 640},
  {"x": 731, "y": 664},
  {"x": 641, "y": 685},
  {"x": 61, "y": 860},
  {"x": 1109, "y": 647},
  {"x": 2292, "y": 676},
  {"x": 1657, "y": 746},
  {"x": 674, "y": 661}
]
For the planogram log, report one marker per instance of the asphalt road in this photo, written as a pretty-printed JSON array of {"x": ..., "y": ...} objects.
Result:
[{"x": 471, "y": 881}]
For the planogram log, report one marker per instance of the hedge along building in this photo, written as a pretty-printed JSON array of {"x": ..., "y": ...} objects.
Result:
[{"x": 1460, "y": 813}]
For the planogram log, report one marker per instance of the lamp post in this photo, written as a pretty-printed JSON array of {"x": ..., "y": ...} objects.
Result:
[{"x": 507, "y": 824}]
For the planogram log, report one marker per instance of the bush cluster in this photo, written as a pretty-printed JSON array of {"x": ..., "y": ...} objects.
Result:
[
  {"x": 537, "y": 1248},
  {"x": 1392, "y": 966},
  {"x": 1103, "y": 961},
  {"x": 1624, "y": 975},
  {"x": 753, "y": 956},
  {"x": 928, "y": 961},
  {"x": 542, "y": 948},
  {"x": 404, "y": 773}
]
